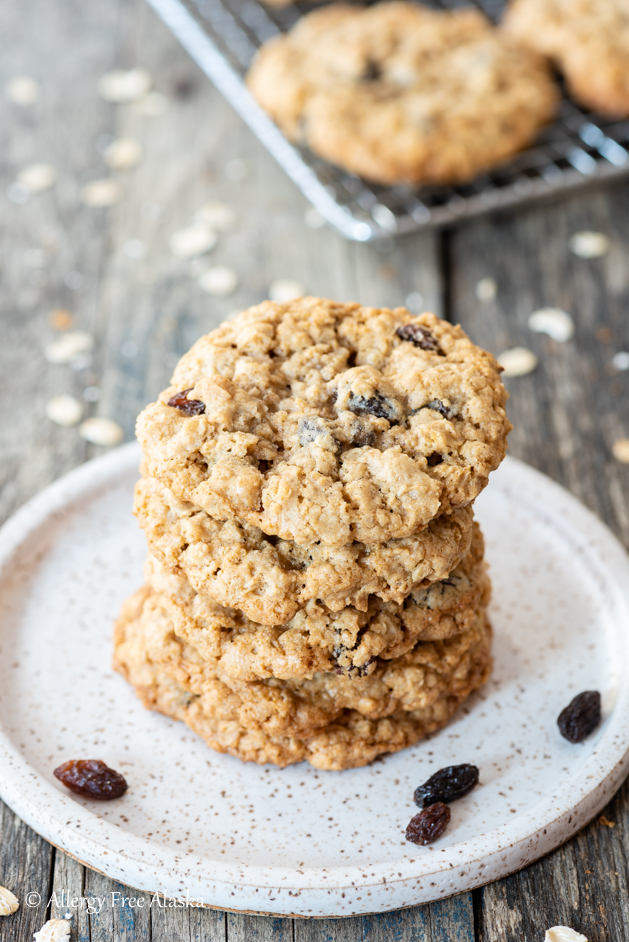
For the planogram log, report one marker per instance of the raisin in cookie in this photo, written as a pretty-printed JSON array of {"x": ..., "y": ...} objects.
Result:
[
  {"x": 587, "y": 39},
  {"x": 270, "y": 580},
  {"x": 396, "y": 92},
  {"x": 317, "y": 421},
  {"x": 316, "y": 639},
  {"x": 332, "y": 721}
]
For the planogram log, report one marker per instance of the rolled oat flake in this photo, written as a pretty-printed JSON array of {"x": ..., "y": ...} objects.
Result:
[
  {"x": 486, "y": 290},
  {"x": 64, "y": 410},
  {"x": 554, "y": 322},
  {"x": 220, "y": 281},
  {"x": 123, "y": 154},
  {"x": 286, "y": 289},
  {"x": 23, "y": 91},
  {"x": 36, "y": 178},
  {"x": 518, "y": 361},
  {"x": 563, "y": 934},
  {"x": 192, "y": 241},
  {"x": 55, "y": 930},
  {"x": 588, "y": 244},
  {"x": 101, "y": 193},
  {"x": 216, "y": 215},
  {"x": 620, "y": 450},
  {"x": 121, "y": 87},
  {"x": 68, "y": 346},
  {"x": 99, "y": 431},
  {"x": 8, "y": 902}
]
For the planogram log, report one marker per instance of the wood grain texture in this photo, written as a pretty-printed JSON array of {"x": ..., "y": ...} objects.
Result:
[
  {"x": 25, "y": 868},
  {"x": 566, "y": 416},
  {"x": 451, "y": 919},
  {"x": 68, "y": 898}
]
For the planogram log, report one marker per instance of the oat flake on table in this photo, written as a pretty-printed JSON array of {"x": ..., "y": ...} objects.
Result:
[
  {"x": 99, "y": 431},
  {"x": 415, "y": 302},
  {"x": 8, "y": 902},
  {"x": 123, "y": 154},
  {"x": 64, "y": 410},
  {"x": 286, "y": 289},
  {"x": 36, "y": 178},
  {"x": 620, "y": 450},
  {"x": 219, "y": 281},
  {"x": 518, "y": 361},
  {"x": 486, "y": 290},
  {"x": 552, "y": 321},
  {"x": 194, "y": 240},
  {"x": 55, "y": 930},
  {"x": 563, "y": 934},
  {"x": 122, "y": 87},
  {"x": 23, "y": 90},
  {"x": 68, "y": 346},
  {"x": 101, "y": 193},
  {"x": 588, "y": 244},
  {"x": 218, "y": 216}
]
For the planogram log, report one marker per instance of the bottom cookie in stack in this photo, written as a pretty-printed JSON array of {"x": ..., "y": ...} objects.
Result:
[{"x": 334, "y": 688}]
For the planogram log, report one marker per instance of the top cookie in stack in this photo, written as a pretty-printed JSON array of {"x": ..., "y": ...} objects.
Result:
[{"x": 323, "y": 422}]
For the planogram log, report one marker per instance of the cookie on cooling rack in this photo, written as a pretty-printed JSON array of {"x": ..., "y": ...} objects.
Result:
[
  {"x": 322, "y": 421},
  {"x": 587, "y": 39},
  {"x": 396, "y": 92}
]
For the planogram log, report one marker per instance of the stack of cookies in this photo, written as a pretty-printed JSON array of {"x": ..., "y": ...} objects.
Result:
[{"x": 315, "y": 586}]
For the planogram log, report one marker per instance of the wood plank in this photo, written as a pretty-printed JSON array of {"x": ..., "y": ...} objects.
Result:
[
  {"x": 244, "y": 928},
  {"x": 207, "y": 925},
  {"x": 25, "y": 868},
  {"x": 118, "y": 911},
  {"x": 566, "y": 416},
  {"x": 66, "y": 47},
  {"x": 451, "y": 919},
  {"x": 68, "y": 898},
  {"x": 172, "y": 923}
]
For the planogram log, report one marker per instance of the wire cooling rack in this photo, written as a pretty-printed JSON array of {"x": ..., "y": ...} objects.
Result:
[{"x": 223, "y": 37}]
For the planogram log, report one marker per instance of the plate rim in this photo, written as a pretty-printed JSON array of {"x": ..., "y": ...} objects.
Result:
[{"x": 79, "y": 830}]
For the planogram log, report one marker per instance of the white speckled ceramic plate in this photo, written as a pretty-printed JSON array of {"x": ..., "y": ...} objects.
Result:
[{"x": 297, "y": 841}]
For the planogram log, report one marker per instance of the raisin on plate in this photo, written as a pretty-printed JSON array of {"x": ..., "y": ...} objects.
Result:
[
  {"x": 581, "y": 716},
  {"x": 448, "y": 784},
  {"x": 187, "y": 406},
  {"x": 429, "y": 824},
  {"x": 91, "y": 778}
]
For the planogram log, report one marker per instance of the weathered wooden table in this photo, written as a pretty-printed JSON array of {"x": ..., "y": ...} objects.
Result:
[{"x": 113, "y": 269}]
